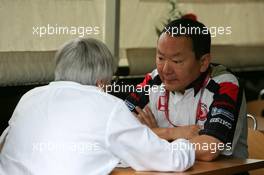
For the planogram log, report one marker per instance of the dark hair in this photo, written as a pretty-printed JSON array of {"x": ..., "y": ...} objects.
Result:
[{"x": 198, "y": 32}]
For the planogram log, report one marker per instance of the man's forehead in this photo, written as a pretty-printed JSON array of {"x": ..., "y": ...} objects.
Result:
[
  {"x": 167, "y": 54},
  {"x": 165, "y": 35},
  {"x": 177, "y": 41}
]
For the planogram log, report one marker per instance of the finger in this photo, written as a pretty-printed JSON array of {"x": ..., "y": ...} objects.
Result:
[
  {"x": 151, "y": 116},
  {"x": 201, "y": 127},
  {"x": 147, "y": 120},
  {"x": 141, "y": 119},
  {"x": 195, "y": 127},
  {"x": 139, "y": 110},
  {"x": 135, "y": 114},
  {"x": 148, "y": 111},
  {"x": 144, "y": 116},
  {"x": 138, "y": 116}
]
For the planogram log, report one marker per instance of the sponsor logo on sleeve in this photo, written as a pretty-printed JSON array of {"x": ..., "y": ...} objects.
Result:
[
  {"x": 130, "y": 105},
  {"x": 220, "y": 111},
  {"x": 221, "y": 121}
]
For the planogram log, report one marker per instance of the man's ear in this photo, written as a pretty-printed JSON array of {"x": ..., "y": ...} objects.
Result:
[
  {"x": 205, "y": 61},
  {"x": 100, "y": 83}
]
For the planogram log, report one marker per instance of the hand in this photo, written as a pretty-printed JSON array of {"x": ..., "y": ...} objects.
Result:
[
  {"x": 187, "y": 132},
  {"x": 146, "y": 117}
]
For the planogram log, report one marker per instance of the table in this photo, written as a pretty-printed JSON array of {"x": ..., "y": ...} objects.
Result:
[{"x": 220, "y": 166}]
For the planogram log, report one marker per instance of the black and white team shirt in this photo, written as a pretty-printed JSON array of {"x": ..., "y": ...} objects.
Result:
[{"x": 215, "y": 101}]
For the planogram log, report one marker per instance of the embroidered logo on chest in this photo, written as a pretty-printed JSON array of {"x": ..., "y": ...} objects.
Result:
[
  {"x": 162, "y": 104},
  {"x": 202, "y": 112}
]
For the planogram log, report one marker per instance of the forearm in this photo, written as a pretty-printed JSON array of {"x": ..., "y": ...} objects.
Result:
[
  {"x": 185, "y": 132},
  {"x": 206, "y": 147},
  {"x": 164, "y": 156},
  {"x": 167, "y": 133}
]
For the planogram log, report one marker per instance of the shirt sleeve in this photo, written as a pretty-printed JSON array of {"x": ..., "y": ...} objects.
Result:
[
  {"x": 140, "y": 148},
  {"x": 140, "y": 97},
  {"x": 3, "y": 137},
  {"x": 223, "y": 113}
]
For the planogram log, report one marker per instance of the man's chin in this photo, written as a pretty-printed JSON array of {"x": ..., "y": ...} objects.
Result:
[{"x": 169, "y": 87}]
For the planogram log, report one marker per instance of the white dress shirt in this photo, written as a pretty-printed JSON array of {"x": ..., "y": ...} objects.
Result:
[{"x": 66, "y": 128}]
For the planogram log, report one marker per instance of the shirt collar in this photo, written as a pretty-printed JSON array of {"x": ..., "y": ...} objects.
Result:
[
  {"x": 199, "y": 82},
  {"x": 73, "y": 84}
]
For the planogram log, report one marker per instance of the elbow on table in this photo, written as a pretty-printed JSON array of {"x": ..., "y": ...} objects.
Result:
[
  {"x": 186, "y": 160},
  {"x": 184, "y": 167},
  {"x": 177, "y": 167},
  {"x": 181, "y": 163}
]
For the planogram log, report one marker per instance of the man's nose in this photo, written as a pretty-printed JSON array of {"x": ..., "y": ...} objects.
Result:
[{"x": 167, "y": 67}]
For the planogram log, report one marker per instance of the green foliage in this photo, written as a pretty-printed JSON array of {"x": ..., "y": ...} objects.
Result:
[{"x": 174, "y": 13}]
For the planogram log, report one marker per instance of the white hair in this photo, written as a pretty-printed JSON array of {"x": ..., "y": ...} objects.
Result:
[{"x": 84, "y": 60}]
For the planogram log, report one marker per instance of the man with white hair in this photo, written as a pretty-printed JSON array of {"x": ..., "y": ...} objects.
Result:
[{"x": 72, "y": 127}]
